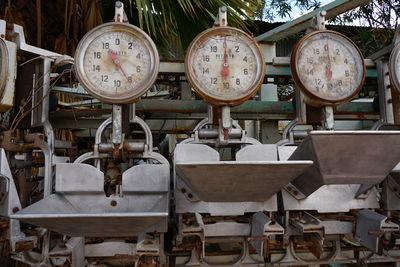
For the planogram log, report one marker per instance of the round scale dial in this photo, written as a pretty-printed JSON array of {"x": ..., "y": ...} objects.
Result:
[
  {"x": 394, "y": 66},
  {"x": 116, "y": 62},
  {"x": 328, "y": 67},
  {"x": 224, "y": 65},
  {"x": 4, "y": 62}
]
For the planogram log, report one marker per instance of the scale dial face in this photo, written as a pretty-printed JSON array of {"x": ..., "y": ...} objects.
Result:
[
  {"x": 394, "y": 67},
  {"x": 328, "y": 67},
  {"x": 4, "y": 62},
  {"x": 116, "y": 62},
  {"x": 225, "y": 66}
]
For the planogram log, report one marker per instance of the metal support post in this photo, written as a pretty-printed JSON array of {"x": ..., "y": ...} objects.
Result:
[
  {"x": 120, "y": 15},
  {"x": 132, "y": 112},
  {"x": 226, "y": 117},
  {"x": 117, "y": 124},
  {"x": 221, "y": 19},
  {"x": 329, "y": 122}
]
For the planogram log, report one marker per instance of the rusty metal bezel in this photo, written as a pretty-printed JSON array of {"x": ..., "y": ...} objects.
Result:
[
  {"x": 394, "y": 78},
  {"x": 220, "y": 101},
  {"x": 132, "y": 95},
  {"x": 4, "y": 65},
  {"x": 312, "y": 98}
]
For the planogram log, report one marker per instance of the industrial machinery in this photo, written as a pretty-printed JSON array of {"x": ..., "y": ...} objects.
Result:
[{"x": 199, "y": 179}]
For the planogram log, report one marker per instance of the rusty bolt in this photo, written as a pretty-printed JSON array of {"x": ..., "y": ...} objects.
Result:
[
  {"x": 183, "y": 190},
  {"x": 15, "y": 209},
  {"x": 190, "y": 195},
  {"x": 113, "y": 203},
  {"x": 295, "y": 192},
  {"x": 288, "y": 188}
]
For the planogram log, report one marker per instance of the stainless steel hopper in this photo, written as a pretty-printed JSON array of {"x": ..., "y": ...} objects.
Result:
[
  {"x": 253, "y": 176},
  {"x": 346, "y": 157},
  {"x": 80, "y": 208}
]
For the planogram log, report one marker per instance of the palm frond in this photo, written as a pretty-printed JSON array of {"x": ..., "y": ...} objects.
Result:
[{"x": 177, "y": 22}]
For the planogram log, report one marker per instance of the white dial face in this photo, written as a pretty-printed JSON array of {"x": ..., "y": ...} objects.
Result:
[
  {"x": 117, "y": 64},
  {"x": 225, "y": 65},
  {"x": 329, "y": 66}
]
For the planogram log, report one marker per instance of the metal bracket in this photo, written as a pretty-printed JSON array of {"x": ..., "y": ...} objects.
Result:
[
  {"x": 148, "y": 245},
  {"x": 196, "y": 230},
  {"x": 306, "y": 224},
  {"x": 261, "y": 228},
  {"x": 329, "y": 122},
  {"x": 317, "y": 22},
  {"x": 18, "y": 37},
  {"x": 232, "y": 134},
  {"x": 117, "y": 124},
  {"x": 363, "y": 191},
  {"x": 370, "y": 227},
  {"x": 294, "y": 191},
  {"x": 120, "y": 15},
  {"x": 221, "y": 19}
]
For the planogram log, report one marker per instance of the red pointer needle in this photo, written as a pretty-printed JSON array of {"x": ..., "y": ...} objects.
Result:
[
  {"x": 114, "y": 57},
  {"x": 328, "y": 71},
  {"x": 225, "y": 66}
]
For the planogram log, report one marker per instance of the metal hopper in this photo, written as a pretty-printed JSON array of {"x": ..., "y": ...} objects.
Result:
[
  {"x": 346, "y": 157},
  {"x": 80, "y": 208},
  {"x": 255, "y": 175}
]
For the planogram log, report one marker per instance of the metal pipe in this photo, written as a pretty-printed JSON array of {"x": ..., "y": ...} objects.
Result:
[
  {"x": 213, "y": 133},
  {"x": 134, "y": 147},
  {"x": 101, "y": 129},
  {"x": 147, "y": 132},
  {"x": 289, "y": 128},
  {"x": 105, "y": 147},
  {"x": 128, "y": 145},
  {"x": 99, "y": 134},
  {"x": 48, "y": 174},
  {"x": 201, "y": 124},
  {"x": 84, "y": 157},
  {"x": 48, "y": 158}
]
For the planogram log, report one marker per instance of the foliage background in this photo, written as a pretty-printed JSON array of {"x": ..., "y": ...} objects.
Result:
[{"x": 174, "y": 23}]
